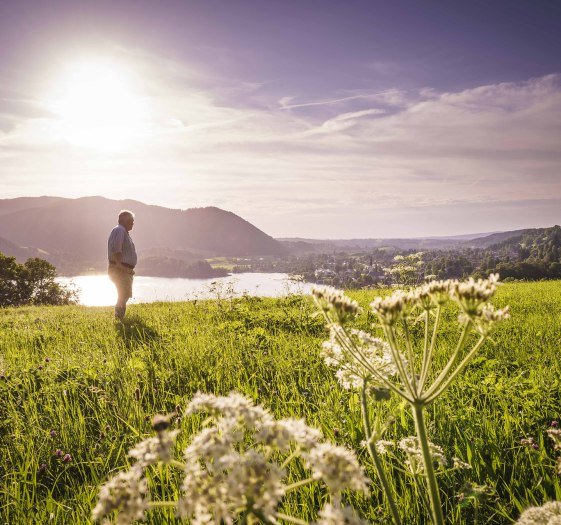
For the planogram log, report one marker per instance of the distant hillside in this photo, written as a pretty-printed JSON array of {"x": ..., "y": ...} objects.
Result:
[
  {"x": 492, "y": 239},
  {"x": 536, "y": 244},
  {"x": 475, "y": 240},
  {"x": 21, "y": 253},
  {"x": 77, "y": 229}
]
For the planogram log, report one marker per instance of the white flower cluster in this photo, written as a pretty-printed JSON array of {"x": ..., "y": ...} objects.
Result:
[
  {"x": 126, "y": 493},
  {"x": 155, "y": 449},
  {"x": 355, "y": 359},
  {"x": 334, "y": 303},
  {"x": 472, "y": 297},
  {"x": 471, "y": 294},
  {"x": 410, "y": 445},
  {"x": 394, "y": 307},
  {"x": 383, "y": 446},
  {"x": 337, "y": 467},
  {"x": 224, "y": 477},
  {"x": 335, "y": 514},
  {"x": 458, "y": 464},
  {"x": 233, "y": 466},
  {"x": 548, "y": 514}
]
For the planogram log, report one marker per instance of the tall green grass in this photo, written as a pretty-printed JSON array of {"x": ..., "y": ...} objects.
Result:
[{"x": 96, "y": 384}]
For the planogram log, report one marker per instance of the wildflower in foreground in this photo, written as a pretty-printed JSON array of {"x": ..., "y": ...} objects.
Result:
[
  {"x": 234, "y": 468},
  {"x": 335, "y": 303},
  {"x": 548, "y": 514},
  {"x": 126, "y": 493},
  {"x": 333, "y": 514},
  {"x": 410, "y": 445},
  {"x": 355, "y": 353},
  {"x": 405, "y": 364},
  {"x": 337, "y": 466}
]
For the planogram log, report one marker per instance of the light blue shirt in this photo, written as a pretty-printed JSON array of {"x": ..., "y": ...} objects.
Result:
[{"x": 120, "y": 242}]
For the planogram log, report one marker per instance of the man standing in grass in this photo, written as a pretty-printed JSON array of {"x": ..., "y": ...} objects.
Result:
[{"x": 122, "y": 260}]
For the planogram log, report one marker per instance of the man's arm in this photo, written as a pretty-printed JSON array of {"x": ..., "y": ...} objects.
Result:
[
  {"x": 118, "y": 258},
  {"x": 116, "y": 247}
]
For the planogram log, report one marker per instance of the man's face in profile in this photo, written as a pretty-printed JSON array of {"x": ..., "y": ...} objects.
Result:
[{"x": 128, "y": 223}]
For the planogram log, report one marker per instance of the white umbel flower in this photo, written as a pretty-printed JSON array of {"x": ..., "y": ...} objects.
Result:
[
  {"x": 283, "y": 433},
  {"x": 337, "y": 467},
  {"x": 548, "y": 514},
  {"x": 126, "y": 493},
  {"x": 155, "y": 449},
  {"x": 333, "y": 514},
  {"x": 334, "y": 303},
  {"x": 235, "y": 408},
  {"x": 410, "y": 445},
  {"x": 358, "y": 358}
]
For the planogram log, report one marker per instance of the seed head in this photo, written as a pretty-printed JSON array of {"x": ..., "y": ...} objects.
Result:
[
  {"x": 335, "y": 303},
  {"x": 160, "y": 422}
]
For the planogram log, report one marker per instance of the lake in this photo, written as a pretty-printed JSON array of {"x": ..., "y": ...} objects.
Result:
[{"x": 98, "y": 290}]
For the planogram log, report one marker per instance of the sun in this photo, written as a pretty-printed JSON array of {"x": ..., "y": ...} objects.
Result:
[{"x": 98, "y": 106}]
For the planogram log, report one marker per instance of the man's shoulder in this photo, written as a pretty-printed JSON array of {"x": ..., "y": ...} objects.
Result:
[{"x": 118, "y": 230}]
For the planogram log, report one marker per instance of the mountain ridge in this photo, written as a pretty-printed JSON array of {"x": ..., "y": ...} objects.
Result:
[{"x": 75, "y": 231}]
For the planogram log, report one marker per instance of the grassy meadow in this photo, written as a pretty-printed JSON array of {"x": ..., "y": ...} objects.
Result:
[{"x": 77, "y": 390}]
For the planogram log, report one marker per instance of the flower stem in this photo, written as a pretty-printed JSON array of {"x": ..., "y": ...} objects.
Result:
[
  {"x": 162, "y": 504},
  {"x": 298, "y": 484},
  {"x": 394, "y": 347},
  {"x": 427, "y": 356},
  {"x": 290, "y": 519},
  {"x": 177, "y": 464},
  {"x": 441, "y": 388},
  {"x": 411, "y": 358},
  {"x": 442, "y": 376},
  {"x": 430, "y": 476},
  {"x": 376, "y": 458}
]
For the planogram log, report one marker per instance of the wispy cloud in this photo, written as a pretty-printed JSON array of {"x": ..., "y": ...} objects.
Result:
[
  {"x": 393, "y": 162},
  {"x": 288, "y": 102}
]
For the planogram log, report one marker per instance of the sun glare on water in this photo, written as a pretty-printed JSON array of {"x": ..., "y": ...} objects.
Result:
[{"x": 98, "y": 107}]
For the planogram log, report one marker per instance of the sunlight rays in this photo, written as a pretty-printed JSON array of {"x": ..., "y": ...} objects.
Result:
[{"x": 98, "y": 106}]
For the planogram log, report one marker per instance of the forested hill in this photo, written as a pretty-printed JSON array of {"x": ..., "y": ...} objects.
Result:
[
  {"x": 78, "y": 229},
  {"x": 542, "y": 244},
  {"x": 531, "y": 254}
]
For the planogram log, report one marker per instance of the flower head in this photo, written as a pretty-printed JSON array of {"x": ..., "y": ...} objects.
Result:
[
  {"x": 336, "y": 515},
  {"x": 337, "y": 466},
  {"x": 358, "y": 357},
  {"x": 282, "y": 433},
  {"x": 154, "y": 449},
  {"x": 334, "y": 303},
  {"x": 393, "y": 308},
  {"x": 234, "y": 408},
  {"x": 410, "y": 445},
  {"x": 471, "y": 295},
  {"x": 125, "y": 492},
  {"x": 548, "y": 514}
]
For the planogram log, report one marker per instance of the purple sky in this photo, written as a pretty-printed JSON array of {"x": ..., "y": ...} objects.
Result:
[{"x": 307, "y": 118}]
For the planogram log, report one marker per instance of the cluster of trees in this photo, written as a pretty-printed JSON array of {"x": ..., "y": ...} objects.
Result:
[
  {"x": 170, "y": 267},
  {"x": 31, "y": 283}
]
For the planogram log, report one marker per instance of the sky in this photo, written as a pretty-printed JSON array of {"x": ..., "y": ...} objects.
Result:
[{"x": 308, "y": 118}]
